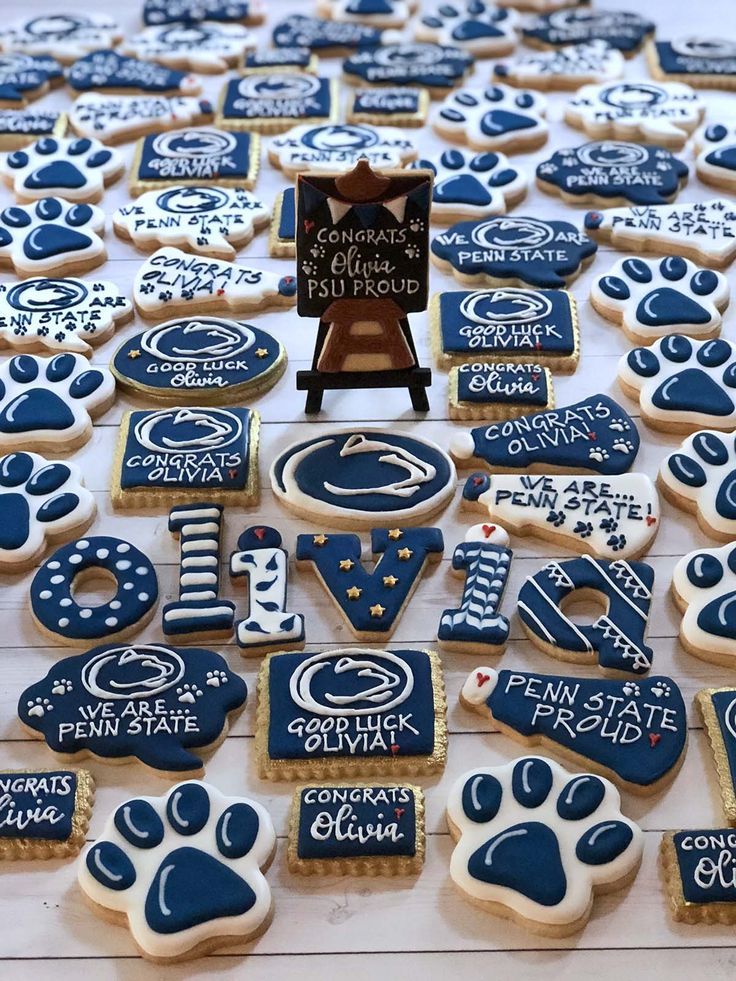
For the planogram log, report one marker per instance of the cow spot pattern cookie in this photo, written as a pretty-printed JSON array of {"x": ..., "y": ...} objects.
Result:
[
  {"x": 472, "y": 185},
  {"x": 481, "y": 28},
  {"x": 703, "y": 588},
  {"x": 339, "y": 147},
  {"x": 699, "y": 477},
  {"x": 568, "y": 67},
  {"x": 495, "y": 118},
  {"x": 75, "y": 169}
]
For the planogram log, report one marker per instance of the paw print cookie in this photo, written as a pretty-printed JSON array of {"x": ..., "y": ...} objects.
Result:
[
  {"x": 52, "y": 234},
  {"x": 184, "y": 871},
  {"x": 205, "y": 47},
  {"x": 704, "y": 589},
  {"x": 496, "y": 118},
  {"x": 75, "y": 169},
  {"x": 25, "y": 77},
  {"x": 470, "y": 185},
  {"x": 41, "y": 503},
  {"x": 481, "y": 28},
  {"x": 65, "y": 37},
  {"x": 565, "y": 68},
  {"x": 715, "y": 163},
  {"x": 700, "y": 477},
  {"x": 535, "y": 843},
  {"x": 682, "y": 385},
  {"x": 651, "y": 298},
  {"x": 49, "y": 403}
]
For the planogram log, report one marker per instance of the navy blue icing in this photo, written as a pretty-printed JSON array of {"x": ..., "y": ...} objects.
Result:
[
  {"x": 614, "y": 169},
  {"x": 37, "y": 805},
  {"x": 433, "y": 65},
  {"x": 387, "y": 103},
  {"x": 705, "y": 570},
  {"x": 384, "y": 701},
  {"x": 17, "y": 509},
  {"x": 595, "y": 434},
  {"x": 320, "y": 35},
  {"x": 298, "y": 96},
  {"x": 287, "y": 215},
  {"x": 356, "y": 822},
  {"x": 366, "y": 466},
  {"x": 536, "y": 252},
  {"x": 190, "y": 357},
  {"x": 477, "y": 622},
  {"x": 194, "y": 155},
  {"x": 381, "y": 593},
  {"x": 664, "y": 306},
  {"x": 472, "y": 179},
  {"x": 697, "y": 56},
  {"x": 622, "y": 29},
  {"x": 22, "y": 75},
  {"x": 180, "y": 448},
  {"x": 636, "y": 730},
  {"x": 706, "y": 860},
  {"x": 502, "y": 384},
  {"x": 57, "y": 609},
  {"x": 286, "y": 58},
  {"x": 494, "y": 322},
  {"x": 616, "y": 638},
  {"x": 195, "y": 11},
  {"x": 107, "y": 69},
  {"x": 153, "y": 702}
]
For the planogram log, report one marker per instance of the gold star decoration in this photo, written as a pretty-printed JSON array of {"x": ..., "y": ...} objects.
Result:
[
  {"x": 135, "y": 353},
  {"x": 404, "y": 554},
  {"x": 262, "y": 352},
  {"x": 377, "y": 610},
  {"x": 319, "y": 539},
  {"x": 390, "y": 581},
  {"x": 395, "y": 534},
  {"x": 353, "y": 593},
  {"x": 346, "y": 565}
]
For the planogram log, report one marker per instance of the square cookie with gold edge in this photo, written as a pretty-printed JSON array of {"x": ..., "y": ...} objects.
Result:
[
  {"x": 275, "y": 102},
  {"x": 356, "y": 829},
  {"x": 388, "y": 107},
  {"x": 717, "y": 707},
  {"x": 697, "y": 864},
  {"x": 350, "y": 712},
  {"x": 45, "y": 813},
  {"x": 282, "y": 236},
  {"x": 501, "y": 390},
  {"x": 189, "y": 157}
]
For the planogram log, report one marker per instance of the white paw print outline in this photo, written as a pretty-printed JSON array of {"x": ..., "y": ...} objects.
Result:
[
  {"x": 479, "y": 27},
  {"x": 495, "y": 118},
  {"x": 700, "y": 477},
  {"x": 704, "y": 589},
  {"x": 51, "y": 234},
  {"x": 468, "y": 185},
  {"x": 75, "y": 168}
]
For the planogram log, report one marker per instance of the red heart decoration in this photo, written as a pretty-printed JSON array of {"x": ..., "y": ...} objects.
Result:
[
  {"x": 260, "y": 533},
  {"x": 308, "y": 225},
  {"x": 477, "y": 481},
  {"x": 481, "y": 678},
  {"x": 592, "y": 436},
  {"x": 221, "y": 292},
  {"x": 399, "y": 811},
  {"x": 488, "y": 530},
  {"x": 651, "y": 520},
  {"x": 232, "y": 474},
  {"x": 394, "y": 748},
  {"x": 654, "y": 738}
]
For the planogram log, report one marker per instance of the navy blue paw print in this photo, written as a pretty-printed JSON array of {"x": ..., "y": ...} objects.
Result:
[
  {"x": 556, "y": 518},
  {"x": 473, "y": 185},
  {"x": 650, "y": 297},
  {"x": 499, "y": 117},
  {"x": 609, "y": 524},
  {"x": 77, "y": 169},
  {"x": 683, "y": 383},
  {"x": 176, "y": 862},
  {"x": 48, "y": 400},
  {"x": 531, "y": 833},
  {"x": 583, "y": 528},
  {"x": 38, "y": 237},
  {"x": 616, "y": 542}
]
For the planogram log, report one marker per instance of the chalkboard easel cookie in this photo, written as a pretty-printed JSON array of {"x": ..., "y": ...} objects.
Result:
[{"x": 44, "y": 813}]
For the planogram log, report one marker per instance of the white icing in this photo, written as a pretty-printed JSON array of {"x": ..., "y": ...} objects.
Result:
[
  {"x": 113, "y": 118},
  {"x": 490, "y": 534},
  {"x": 207, "y": 47},
  {"x": 469, "y": 129},
  {"x": 387, "y": 682},
  {"x": 593, "y": 61},
  {"x": 338, "y": 147},
  {"x": 462, "y": 11},
  {"x": 95, "y": 178},
  {"x": 501, "y": 198},
  {"x": 479, "y": 686},
  {"x": 66, "y": 37}
]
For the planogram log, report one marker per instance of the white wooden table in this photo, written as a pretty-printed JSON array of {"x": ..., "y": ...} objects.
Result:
[{"x": 370, "y": 928}]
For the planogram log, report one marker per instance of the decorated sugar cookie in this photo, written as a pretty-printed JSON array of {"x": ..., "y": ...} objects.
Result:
[
  {"x": 510, "y": 324},
  {"x": 567, "y": 67},
  {"x": 682, "y": 385},
  {"x": 73, "y": 168},
  {"x": 351, "y": 477},
  {"x": 296, "y": 59},
  {"x": 387, "y": 106},
  {"x": 350, "y": 712},
  {"x": 538, "y": 5},
  {"x": 184, "y": 872},
  {"x": 513, "y": 251},
  {"x": 65, "y": 37},
  {"x": 195, "y": 11},
  {"x": 19, "y": 127},
  {"x": 327, "y": 37},
  {"x": 715, "y": 163},
  {"x": 376, "y": 13},
  {"x": 495, "y": 118},
  {"x": 481, "y": 28},
  {"x": 173, "y": 283},
  {"x": 703, "y": 61},
  {"x": 663, "y": 113},
  {"x": 201, "y": 360},
  {"x": 282, "y": 235},
  {"x": 273, "y": 102},
  {"x": 594, "y": 434},
  {"x": 702, "y": 231},
  {"x": 45, "y": 813},
  {"x": 613, "y": 172},
  {"x": 206, "y": 220},
  {"x": 436, "y": 67},
  {"x": 66, "y": 619},
  {"x": 717, "y": 706},
  {"x": 204, "y": 47},
  {"x": 608, "y": 517},
  {"x": 51, "y": 235},
  {"x": 697, "y": 864},
  {"x": 651, "y": 298},
  {"x": 615, "y": 640},
  {"x": 191, "y": 157},
  {"x": 49, "y": 403},
  {"x": 699, "y": 477},
  {"x": 505, "y": 390},
  {"x": 356, "y": 829},
  {"x": 483, "y": 561},
  {"x": 371, "y": 603},
  {"x": 536, "y": 843},
  {"x": 118, "y": 118},
  {"x": 632, "y": 732},
  {"x": 109, "y": 71},
  {"x": 622, "y": 29},
  {"x": 42, "y": 503},
  {"x": 25, "y": 77},
  {"x": 703, "y": 587},
  {"x": 262, "y": 564},
  {"x": 338, "y": 147},
  {"x": 49, "y": 314},
  {"x": 470, "y": 185}
]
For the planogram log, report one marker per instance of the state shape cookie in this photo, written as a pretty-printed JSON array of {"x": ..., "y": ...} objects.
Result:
[
  {"x": 77, "y": 169},
  {"x": 110, "y": 71},
  {"x": 65, "y": 37},
  {"x": 195, "y": 11},
  {"x": 481, "y": 28},
  {"x": 338, "y": 147},
  {"x": 208, "y": 46},
  {"x": 52, "y": 234},
  {"x": 495, "y": 118},
  {"x": 699, "y": 477},
  {"x": 436, "y": 67},
  {"x": 651, "y": 298},
  {"x": 375, "y": 13},
  {"x": 682, "y": 385},
  {"x": 567, "y": 67},
  {"x": 535, "y": 843},
  {"x": 184, "y": 872},
  {"x": 204, "y": 219},
  {"x": 117, "y": 118},
  {"x": 704, "y": 588},
  {"x": 24, "y": 77},
  {"x": 623, "y": 29},
  {"x": 472, "y": 185},
  {"x": 715, "y": 146},
  {"x": 663, "y": 113}
]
